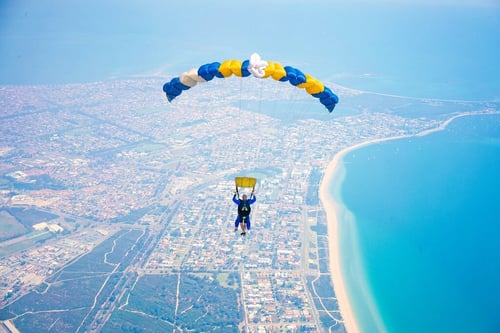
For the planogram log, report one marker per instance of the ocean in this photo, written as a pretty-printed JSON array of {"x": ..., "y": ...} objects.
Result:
[
  {"x": 418, "y": 239},
  {"x": 429, "y": 49},
  {"x": 420, "y": 234}
]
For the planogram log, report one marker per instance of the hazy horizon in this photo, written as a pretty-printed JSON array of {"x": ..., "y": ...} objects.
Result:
[{"x": 429, "y": 50}]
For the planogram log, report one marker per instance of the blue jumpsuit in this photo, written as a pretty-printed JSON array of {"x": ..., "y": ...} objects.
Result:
[{"x": 238, "y": 201}]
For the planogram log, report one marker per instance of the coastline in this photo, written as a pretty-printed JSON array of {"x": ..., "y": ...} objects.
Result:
[{"x": 332, "y": 208}]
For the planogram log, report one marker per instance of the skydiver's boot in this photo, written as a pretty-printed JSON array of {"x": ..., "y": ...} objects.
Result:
[{"x": 244, "y": 228}]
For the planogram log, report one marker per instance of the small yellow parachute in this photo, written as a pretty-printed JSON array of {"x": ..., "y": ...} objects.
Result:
[{"x": 248, "y": 182}]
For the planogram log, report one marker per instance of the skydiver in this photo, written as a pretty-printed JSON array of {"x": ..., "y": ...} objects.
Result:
[{"x": 244, "y": 209}]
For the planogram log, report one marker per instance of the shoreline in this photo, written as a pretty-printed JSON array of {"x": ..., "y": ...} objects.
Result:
[{"x": 331, "y": 207}]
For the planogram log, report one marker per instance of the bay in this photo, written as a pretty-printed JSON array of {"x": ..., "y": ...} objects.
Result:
[{"x": 421, "y": 237}]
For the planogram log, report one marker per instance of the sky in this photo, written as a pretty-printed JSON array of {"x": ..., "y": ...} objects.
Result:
[{"x": 423, "y": 48}]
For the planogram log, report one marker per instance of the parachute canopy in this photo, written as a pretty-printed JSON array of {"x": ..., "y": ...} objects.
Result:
[
  {"x": 245, "y": 182},
  {"x": 258, "y": 68}
]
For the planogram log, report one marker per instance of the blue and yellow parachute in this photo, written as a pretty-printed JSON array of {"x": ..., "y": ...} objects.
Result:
[{"x": 254, "y": 66}]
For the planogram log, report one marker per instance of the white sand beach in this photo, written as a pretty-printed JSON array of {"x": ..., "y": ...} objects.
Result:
[{"x": 331, "y": 208}]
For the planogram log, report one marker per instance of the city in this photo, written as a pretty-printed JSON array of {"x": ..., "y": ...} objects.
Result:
[{"x": 118, "y": 174}]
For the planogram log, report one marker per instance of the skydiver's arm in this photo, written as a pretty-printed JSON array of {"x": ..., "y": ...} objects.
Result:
[
  {"x": 252, "y": 200},
  {"x": 236, "y": 201}
]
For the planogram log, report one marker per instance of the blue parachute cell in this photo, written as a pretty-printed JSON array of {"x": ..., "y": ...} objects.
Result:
[
  {"x": 294, "y": 75},
  {"x": 244, "y": 68},
  {"x": 209, "y": 71},
  {"x": 176, "y": 82},
  {"x": 327, "y": 96},
  {"x": 174, "y": 88}
]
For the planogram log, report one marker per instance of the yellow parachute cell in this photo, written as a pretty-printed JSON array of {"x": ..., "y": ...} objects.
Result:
[
  {"x": 229, "y": 67},
  {"x": 312, "y": 86},
  {"x": 275, "y": 70}
]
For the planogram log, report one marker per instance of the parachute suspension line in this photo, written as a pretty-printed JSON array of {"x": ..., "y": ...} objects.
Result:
[
  {"x": 243, "y": 104},
  {"x": 293, "y": 101},
  {"x": 241, "y": 95},
  {"x": 260, "y": 95}
]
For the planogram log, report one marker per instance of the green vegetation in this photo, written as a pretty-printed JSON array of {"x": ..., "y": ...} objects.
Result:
[
  {"x": 202, "y": 303},
  {"x": 28, "y": 241},
  {"x": 133, "y": 216},
  {"x": 125, "y": 321},
  {"x": 149, "y": 147},
  {"x": 29, "y": 216},
  {"x": 312, "y": 198},
  {"x": 229, "y": 280},
  {"x": 65, "y": 321},
  {"x": 39, "y": 182},
  {"x": 9, "y": 227},
  {"x": 102, "y": 259},
  {"x": 73, "y": 290}
]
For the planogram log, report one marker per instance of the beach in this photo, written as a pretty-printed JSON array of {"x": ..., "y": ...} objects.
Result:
[
  {"x": 338, "y": 284},
  {"x": 334, "y": 208},
  {"x": 331, "y": 207}
]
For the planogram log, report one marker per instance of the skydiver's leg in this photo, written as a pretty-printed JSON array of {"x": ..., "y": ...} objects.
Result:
[
  {"x": 236, "y": 223},
  {"x": 248, "y": 223}
]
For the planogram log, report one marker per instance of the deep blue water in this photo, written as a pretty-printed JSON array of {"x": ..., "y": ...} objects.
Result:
[{"x": 424, "y": 236}]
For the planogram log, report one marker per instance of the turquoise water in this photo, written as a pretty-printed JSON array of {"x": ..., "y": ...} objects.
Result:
[{"x": 420, "y": 250}]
